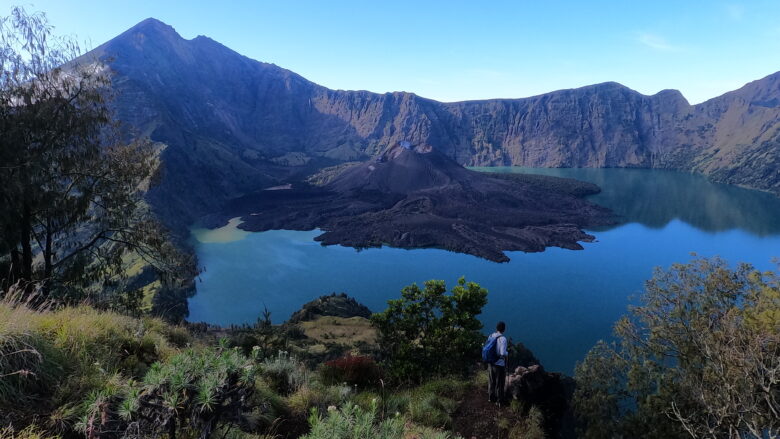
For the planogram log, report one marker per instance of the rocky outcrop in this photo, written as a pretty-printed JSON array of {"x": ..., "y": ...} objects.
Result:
[
  {"x": 550, "y": 392},
  {"x": 335, "y": 305},
  {"x": 234, "y": 125}
]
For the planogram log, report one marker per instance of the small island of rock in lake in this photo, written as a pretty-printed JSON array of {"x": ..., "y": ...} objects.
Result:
[{"x": 415, "y": 197}]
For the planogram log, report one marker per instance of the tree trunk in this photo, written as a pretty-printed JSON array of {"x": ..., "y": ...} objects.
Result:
[
  {"x": 24, "y": 238},
  {"x": 16, "y": 266},
  {"x": 47, "y": 259}
]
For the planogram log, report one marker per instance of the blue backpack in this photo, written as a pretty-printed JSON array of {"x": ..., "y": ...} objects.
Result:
[{"x": 490, "y": 350}]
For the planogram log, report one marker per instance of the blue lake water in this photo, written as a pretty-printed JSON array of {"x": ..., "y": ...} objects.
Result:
[{"x": 558, "y": 303}]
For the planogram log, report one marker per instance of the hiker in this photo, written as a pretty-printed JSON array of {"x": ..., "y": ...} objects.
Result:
[{"x": 494, "y": 353}]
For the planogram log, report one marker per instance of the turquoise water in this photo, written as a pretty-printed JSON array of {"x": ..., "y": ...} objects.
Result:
[{"x": 559, "y": 302}]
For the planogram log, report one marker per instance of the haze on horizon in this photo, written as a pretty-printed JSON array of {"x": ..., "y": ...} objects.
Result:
[{"x": 458, "y": 50}]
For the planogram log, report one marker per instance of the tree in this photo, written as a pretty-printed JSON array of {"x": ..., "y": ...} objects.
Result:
[
  {"x": 700, "y": 357},
  {"x": 71, "y": 188},
  {"x": 428, "y": 332}
]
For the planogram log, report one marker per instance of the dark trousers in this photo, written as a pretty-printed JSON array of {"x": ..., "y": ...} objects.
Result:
[{"x": 496, "y": 381}]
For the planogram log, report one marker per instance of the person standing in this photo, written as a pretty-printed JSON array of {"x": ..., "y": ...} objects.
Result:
[{"x": 497, "y": 369}]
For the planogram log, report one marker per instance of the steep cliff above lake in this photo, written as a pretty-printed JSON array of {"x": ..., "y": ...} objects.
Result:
[{"x": 234, "y": 125}]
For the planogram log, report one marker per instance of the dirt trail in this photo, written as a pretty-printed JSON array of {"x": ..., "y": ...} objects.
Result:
[{"x": 478, "y": 418}]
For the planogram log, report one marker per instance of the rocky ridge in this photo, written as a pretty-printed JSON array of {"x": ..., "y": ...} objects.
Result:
[{"x": 234, "y": 125}]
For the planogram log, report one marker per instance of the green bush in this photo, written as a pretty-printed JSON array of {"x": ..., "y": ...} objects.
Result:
[
  {"x": 428, "y": 332},
  {"x": 531, "y": 427},
  {"x": 56, "y": 357},
  {"x": 446, "y": 387},
  {"x": 365, "y": 400},
  {"x": 26, "y": 433},
  {"x": 396, "y": 403},
  {"x": 697, "y": 358},
  {"x": 192, "y": 393},
  {"x": 284, "y": 373},
  {"x": 352, "y": 422},
  {"x": 358, "y": 370},
  {"x": 317, "y": 396},
  {"x": 433, "y": 402},
  {"x": 267, "y": 407},
  {"x": 431, "y": 410}
]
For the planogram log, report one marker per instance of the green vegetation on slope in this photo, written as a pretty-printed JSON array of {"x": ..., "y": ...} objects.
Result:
[
  {"x": 699, "y": 357},
  {"x": 72, "y": 189},
  {"x": 50, "y": 360}
]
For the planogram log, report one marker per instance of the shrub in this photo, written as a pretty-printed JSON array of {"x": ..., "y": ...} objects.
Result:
[
  {"x": 64, "y": 354},
  {"x": 433, "y": 402},
  {"x": 445, "y": 387},
  {"x": 365, "y": 400},
  {"x": 317, "y": 396},
  {"x": 267, "y": 408},
  {"x": 697, "y": 358},
  {"x": 353, "y": 422},
  {"x": 531, "y": 427},
  {"x": 27, "y": 433},
  {"x": 431, "y": 410},
  {"x": 360, "y": 371},
  {"x": 193, "y": 393},
  {"x": 284, "y": 373},
  {"x": 395, "y": 403},
  {"x": 428, "y": 332}
]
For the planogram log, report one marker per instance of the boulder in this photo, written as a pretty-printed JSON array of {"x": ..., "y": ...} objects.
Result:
[{"x": 550, "y": 392}]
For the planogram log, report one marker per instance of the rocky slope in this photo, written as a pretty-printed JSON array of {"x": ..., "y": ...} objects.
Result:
[
  {"x": 416, "y": 197},
  {"x": 234, "y": 125}
]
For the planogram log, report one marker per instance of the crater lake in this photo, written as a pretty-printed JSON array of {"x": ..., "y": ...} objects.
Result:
[{"x": 558, "y": 302}]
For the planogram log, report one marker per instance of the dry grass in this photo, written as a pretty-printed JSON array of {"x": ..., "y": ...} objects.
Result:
[
  {"x": 51, "y": 359},
  {"x": 339, "y": 330}
]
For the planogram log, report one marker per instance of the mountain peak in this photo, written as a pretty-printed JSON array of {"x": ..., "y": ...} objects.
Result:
[
  {"x": 152, "y": 28},
  {"x": 153, "y": 24}
]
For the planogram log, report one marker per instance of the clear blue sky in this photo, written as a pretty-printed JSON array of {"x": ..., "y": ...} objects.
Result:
[{"x": 457, "y": 50}]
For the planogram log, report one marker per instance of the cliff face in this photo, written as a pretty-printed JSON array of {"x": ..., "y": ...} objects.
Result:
[{"x": 233, "y": 125}]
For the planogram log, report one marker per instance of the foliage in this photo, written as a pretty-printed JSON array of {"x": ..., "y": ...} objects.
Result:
[
  {"x": 530, "y": 427},
  {"x": 360, "y": 371},
  {"x": 317, "y": 396},
  {"x": 428, "y": 332},
  {"x": 49, "y": 360},
  {"x": 353, "y": 422},
  {"x": 431, "y": 410},
  {"x": 262, "y": 336},
  {"x": 284, "y": 373},
  {"x": 26, "y": 433},
  {"x": 72, "y": 189},
  {"x": 433, "y": 402},
  {"x": 192, "y": 393},
  {"x": 700, "y": 357}
]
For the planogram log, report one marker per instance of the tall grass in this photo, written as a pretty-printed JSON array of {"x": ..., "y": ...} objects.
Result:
[{"x": 50, "y": 359}]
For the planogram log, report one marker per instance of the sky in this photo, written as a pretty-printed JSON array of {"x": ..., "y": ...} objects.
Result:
[{"x": 461, "y": 50}]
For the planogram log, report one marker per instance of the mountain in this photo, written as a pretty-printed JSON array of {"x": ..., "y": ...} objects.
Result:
[
  {"x": 404, "y": 169},
  {"x": 415, "y": 197},
  {"x": 233, "y": 125}
]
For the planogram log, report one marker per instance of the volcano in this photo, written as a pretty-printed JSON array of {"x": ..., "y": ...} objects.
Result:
[{"x": 415, "y": 197}]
